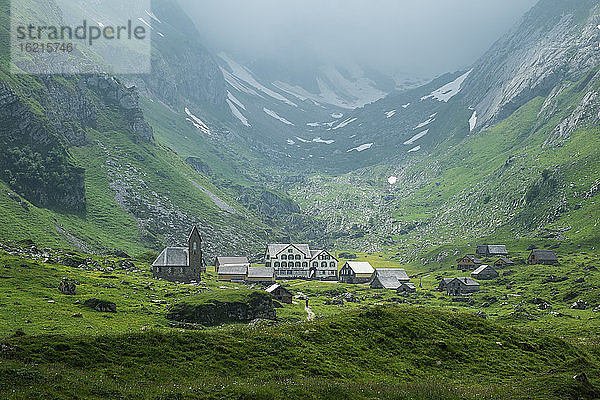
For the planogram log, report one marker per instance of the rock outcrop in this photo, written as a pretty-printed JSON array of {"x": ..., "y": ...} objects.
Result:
[{"x": 256, "y": 305}]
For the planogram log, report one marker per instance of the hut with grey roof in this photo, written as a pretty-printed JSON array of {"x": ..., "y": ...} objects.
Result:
[
  {"x": 547, "y": 257},
  {"x": 484, "y": 272},
  {"x": 492, "y": 250},
  {"x": 388, "y": 278}
]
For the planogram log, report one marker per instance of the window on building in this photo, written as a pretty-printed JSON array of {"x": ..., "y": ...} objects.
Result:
[
  {"x": 283, "y": 264},
  {"x": 283, "y": 257},
  {"x": 290, "y": 250},
  {"x": 298, "y": 257},
  {"x": 304, "y": 264},
  {"x": 277, "y": 264},
  {"x": 332, "y": 264},
  {"x": 297, "y": 264},
  {"x": 195, "y": 246},
  {"x": 268, "y": 264},
  {"x": 315, "y": 264},
  {"x": 324, "y": 264},
  {"x": 327, "y": 257}
]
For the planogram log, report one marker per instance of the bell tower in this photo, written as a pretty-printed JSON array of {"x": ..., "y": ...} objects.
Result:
[{"x": 195, "y": 251}]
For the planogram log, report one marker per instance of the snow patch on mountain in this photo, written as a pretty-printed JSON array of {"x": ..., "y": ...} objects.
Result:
[
  {"x": 473, "y": 121},
  {"x": 243, "y": 74},
  {"x": 422, "y": 124},
  {"x": 416, "y": 137},
  {"x": 344, "y": 123},
  {"x": 276, "y": 116},
  {"x": 414, "y": 149},
  {"x": 290, "y": 142},
  {"x": 405, "y": 105},
  {"x": 449, "y": 90},
  {"x": 337, "y": 115},
  {"x": 302, "y": 140},
  {"x": 235, "y": 100},
  {"x": 390, "y": 114},
  {"x": 319, "y": 140},
  {"x": 392, "y": 180},
  {"x": 351, "y": 90},
  {"x": 197, "y": 122},
  {"x": 362, "y": 147},
  {"x": 237, "y": 113}
]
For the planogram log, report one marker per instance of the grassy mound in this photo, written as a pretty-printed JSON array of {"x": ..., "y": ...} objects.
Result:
[
  {"x": 217, "y": 307},
  {"x": 401, "y": 352}
]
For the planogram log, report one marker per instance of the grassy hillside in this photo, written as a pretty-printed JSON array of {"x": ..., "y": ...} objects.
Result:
[{"x": 378, "y": 353}]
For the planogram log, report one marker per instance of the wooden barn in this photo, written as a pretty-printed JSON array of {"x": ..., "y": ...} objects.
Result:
[
  {"x": 469, "y": 262},
  {"x": 485, "y": 272},
  {"x": 280, "y": 293},
  {"x": 261, "y": 274},
  {"x": 406, "y": 288},
  {"x": 461, "y": 286},
  {"x": 547, "y": 257},
  {"x": 356, "y": 272},
  {"x": 504, "y": 262},
  {"x": 492, "y": 250}
]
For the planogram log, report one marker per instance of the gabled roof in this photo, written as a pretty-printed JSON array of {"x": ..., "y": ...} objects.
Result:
[
  {"x": 408, "y": 285},
  {"x": 545, "y": 255},
  {"x": 467, "y": 281},
  {"x": 446, "y": 281},
  {"x": 506, "y": 260},
  {"x": 233, "y": 269},
  {"x": 388, "y": 282},
  {"x": 360, "y": 267},
  {"x": 172, "y": 257},
  {"x": 497, "y": 249},
  {"x": 315, "y": 253},
  {"x": 274, "y": 287},
  {"x": 397, "y": 273},
  {"x": 472, "y": 258},
  {"x": 275, "y": 249},
  {"x": 481, "y": 269},
  {"x": 232, "y": 260},
  {"x": 261, "y": 272}
]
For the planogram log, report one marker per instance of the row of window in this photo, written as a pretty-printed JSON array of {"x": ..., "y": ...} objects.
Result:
[
  {"x": 172, "y": 270},
  {"x": 299, "y": 257},
  {"x": 298, "y": 264}
]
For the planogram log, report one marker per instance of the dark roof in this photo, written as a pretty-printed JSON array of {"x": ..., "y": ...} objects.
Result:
[
  {"x": 193, "y": 232},
  {"x": 506, "y": 260},
  {"x": 261, "y": 272},
  {"x": 472, "y": 258},
  {"x": 409, "y": 285},
  {"x": 172, "y": 257},
  {"x": 545, "y": 255},
  {"x": 446, "y": 281},
  {"x": 232, "y": 260},
  {"x": 231, "y": 269}
]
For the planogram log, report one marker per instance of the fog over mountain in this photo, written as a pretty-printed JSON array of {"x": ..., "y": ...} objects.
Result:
[{"x": 425, "y": 37}]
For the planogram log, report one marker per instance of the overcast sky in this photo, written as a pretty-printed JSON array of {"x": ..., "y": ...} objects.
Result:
[{"x": 416, "y": 36}]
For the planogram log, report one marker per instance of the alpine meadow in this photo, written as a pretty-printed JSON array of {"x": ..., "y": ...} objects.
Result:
[{"x": 299, "y": 200}]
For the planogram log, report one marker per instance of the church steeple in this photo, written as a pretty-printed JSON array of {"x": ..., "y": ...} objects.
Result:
[{"x": 195, "y": 250}]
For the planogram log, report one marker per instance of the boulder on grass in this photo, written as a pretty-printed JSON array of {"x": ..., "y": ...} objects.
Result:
[
  {"x": 101, "y": 305},
  {"x": 67, "y": 286}
]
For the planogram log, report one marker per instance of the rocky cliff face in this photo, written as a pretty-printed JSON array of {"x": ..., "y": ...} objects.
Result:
[{"x": 556, "y": 41}]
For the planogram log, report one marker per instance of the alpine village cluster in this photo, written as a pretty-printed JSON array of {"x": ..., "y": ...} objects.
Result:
[{"x": 299, "y": 261}]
